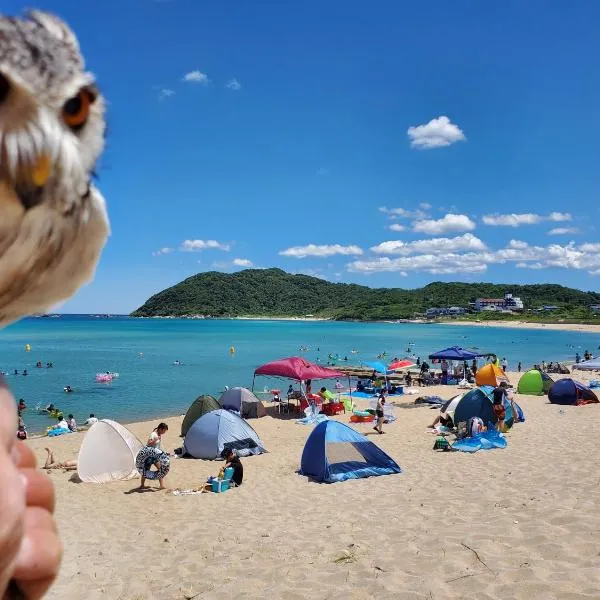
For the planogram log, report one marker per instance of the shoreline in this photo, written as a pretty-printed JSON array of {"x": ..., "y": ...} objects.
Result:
[{"x": 578, "y": 327}]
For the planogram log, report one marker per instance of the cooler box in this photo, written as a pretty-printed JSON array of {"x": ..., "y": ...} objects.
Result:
[{"x": 220, "y": 485}]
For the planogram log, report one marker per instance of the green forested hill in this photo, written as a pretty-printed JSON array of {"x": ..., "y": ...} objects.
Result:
[{"x": 273, "y": 292}]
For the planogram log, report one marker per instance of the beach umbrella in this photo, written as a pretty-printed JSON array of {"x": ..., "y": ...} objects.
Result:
[
  {"x": 376, "y": 365},
  {"x": 401, "y": 364}
]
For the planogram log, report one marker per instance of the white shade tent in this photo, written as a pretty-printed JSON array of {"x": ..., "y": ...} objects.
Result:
[{"x": 108, "y": 453}]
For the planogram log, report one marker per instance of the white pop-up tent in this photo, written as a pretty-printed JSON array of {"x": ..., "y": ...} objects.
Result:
[{"x": 108, "y": 453}]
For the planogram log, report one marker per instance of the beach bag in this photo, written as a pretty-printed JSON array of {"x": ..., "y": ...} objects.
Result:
[{"x": 475, "y": 426}]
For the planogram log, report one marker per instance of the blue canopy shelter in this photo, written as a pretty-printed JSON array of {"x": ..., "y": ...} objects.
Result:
[
  {"x": 335, "y": 452},
  {"x": 456, "y": 353}
]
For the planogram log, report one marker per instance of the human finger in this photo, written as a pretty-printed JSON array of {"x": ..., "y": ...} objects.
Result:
[
  {"x": 39, "y": 490},
  {"x": 23, "y": 455},
  {"x": 39, "y": 556},
  {"x": 12, "y": 514},
  {"x": 8, "y": 416}
]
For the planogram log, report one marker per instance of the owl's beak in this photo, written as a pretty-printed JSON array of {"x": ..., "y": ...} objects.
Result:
[{"x": 31, "y": 181}]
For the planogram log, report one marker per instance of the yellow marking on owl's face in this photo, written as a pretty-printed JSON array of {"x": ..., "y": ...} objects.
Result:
[{"x": 41, "y": 170}]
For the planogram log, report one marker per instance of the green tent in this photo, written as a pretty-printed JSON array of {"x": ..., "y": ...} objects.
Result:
[
  {"x": 200, "y": 406},
  {"x": 534, "y": 383}
]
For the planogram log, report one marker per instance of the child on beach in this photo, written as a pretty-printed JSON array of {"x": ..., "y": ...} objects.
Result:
[
  {"x": 379, "y": 413},
  {"x": 233, "y": 461},
  {"x": 158, "y": 458}
]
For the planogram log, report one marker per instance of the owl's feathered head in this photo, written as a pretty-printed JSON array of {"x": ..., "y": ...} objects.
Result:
[{"x": 53, "y": 223}]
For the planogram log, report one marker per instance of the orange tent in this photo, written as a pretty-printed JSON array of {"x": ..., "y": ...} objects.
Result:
[{"x": 490, "y": 375}]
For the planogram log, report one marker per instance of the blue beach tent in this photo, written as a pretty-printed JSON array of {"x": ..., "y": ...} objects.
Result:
[
  {"x": 335, "y": 452},
  {"x": 567, "y": 391},
  {"x": 476, "y": 403},
  {"x": 220, "y": 429}
]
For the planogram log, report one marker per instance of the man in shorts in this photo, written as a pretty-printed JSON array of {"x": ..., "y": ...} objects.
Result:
[{"x": 499, "y": 410}]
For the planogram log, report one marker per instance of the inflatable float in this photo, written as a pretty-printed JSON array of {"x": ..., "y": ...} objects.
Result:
[
  {"x": 149, "y": 456},
  {"x": 103, "y": 378}
]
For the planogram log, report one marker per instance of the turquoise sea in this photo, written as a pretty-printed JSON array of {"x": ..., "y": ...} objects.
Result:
[{"x": 143, "y": 352}]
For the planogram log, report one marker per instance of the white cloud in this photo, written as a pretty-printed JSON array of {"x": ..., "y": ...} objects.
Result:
[
  {"x": 165, "y": 93},
  {"x": 559, "y": 217},
  {"x": 428, "y": 263},
  {"x": 563, "y": 230},
  {"x": 198, "y": 245},
  {"x": 242, "y": 262},
  {"x": 446, "y": 258},
  {"x": 518, "y": 219},
  {"x": 425, "y": 206},
  {"x": 535, "y": 265},
  {"x": 517, "y": 244},
  {"x": 233, "y": 84},
  {"x": 512, "y": 220},
  {"x": 434, "y": 245},
  {"x": 397, "y": 227},
  {"x": 403, "y": 213},
  {"x": 195, "y": 77},
  {"x": 449, "y": 222},
  {"x": 163, "y": 251},
  {"x": 321, "y": 251},
  {"x": 435, "y": 134}
]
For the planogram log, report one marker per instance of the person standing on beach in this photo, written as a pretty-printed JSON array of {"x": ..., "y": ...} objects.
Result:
[
  {"x": 504, "y": 364},
  {"x": 444, "y": 367},
  {"x": 499, "y": 410},
  {"x": 379, "y": 413},
  {"x": 519, "y": 367},
  {"x": 154, "y": 442}
]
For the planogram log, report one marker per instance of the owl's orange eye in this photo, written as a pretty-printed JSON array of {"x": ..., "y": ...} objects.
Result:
[{"x": 76, "y": 110}]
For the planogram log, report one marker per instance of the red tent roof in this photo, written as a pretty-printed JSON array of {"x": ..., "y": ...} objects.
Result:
[{"x": 297, "y": 368}]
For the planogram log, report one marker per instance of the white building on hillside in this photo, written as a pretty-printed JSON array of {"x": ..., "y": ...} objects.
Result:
[{"x": 509, "y": 302}]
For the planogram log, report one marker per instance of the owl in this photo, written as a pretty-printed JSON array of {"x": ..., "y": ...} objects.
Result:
[{"x": 53, "y": 220}]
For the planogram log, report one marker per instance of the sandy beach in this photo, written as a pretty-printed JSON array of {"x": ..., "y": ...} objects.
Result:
[
  {"x": 520, "y": 522},
  {"x": 525, "y": 325}
]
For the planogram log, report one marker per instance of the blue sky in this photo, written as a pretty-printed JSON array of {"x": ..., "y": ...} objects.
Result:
[{"x": 385, "y": 143}]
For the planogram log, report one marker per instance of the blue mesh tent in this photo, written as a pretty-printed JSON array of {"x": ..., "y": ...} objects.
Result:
[{"x": 335, "y": 452}]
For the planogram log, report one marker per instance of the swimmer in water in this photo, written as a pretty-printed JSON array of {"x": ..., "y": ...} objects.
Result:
[{"x": 68, "y": 389}]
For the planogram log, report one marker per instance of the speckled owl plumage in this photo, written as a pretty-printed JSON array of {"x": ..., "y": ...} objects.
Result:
[{"x": 53, "y": 221}]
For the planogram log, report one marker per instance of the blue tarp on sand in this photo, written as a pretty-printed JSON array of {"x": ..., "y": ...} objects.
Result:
[{"x": 486, "y": 440}]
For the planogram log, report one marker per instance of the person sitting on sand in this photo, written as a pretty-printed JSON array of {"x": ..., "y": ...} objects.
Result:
[
  {"x": 62, "y": 424},
  {"x": 233, "y": 461},
  {"x": 71, "y": 423},
  {"x": 51, "y": 463},
  {"x": 443, "y": 419},
  {"x": 21, "y": 432},
  {"x": 360, "y": 386},
  {"x": 91, "y": 420}
]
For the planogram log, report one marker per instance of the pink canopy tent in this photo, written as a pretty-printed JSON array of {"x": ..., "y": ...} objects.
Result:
[{"x": 297, "y": 368}]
